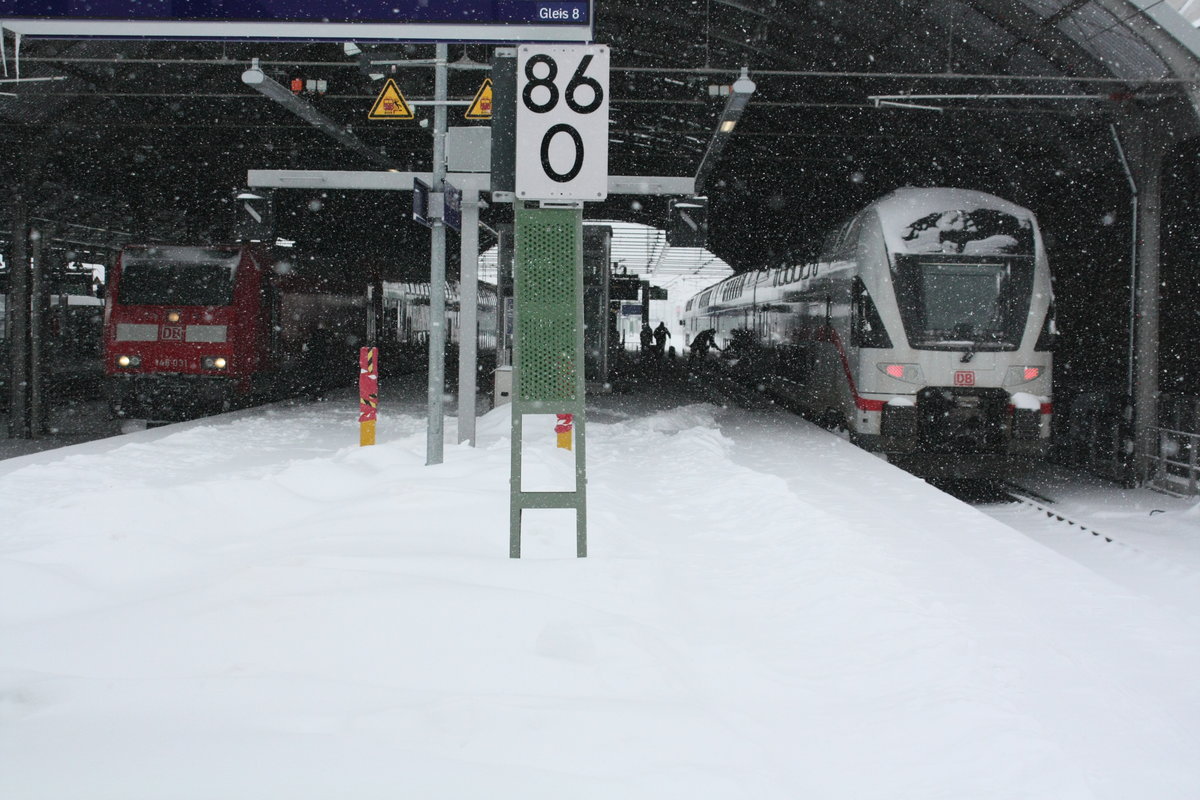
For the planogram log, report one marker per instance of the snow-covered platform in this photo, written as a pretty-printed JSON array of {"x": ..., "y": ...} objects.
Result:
[{"x": 252, "y": 606}]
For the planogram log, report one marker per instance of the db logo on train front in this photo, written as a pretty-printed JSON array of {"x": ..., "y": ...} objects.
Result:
[{"x": 964, "y": 378}]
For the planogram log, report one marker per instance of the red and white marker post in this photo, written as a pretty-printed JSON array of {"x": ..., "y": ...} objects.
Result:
[{"x": 368, "y": 394}]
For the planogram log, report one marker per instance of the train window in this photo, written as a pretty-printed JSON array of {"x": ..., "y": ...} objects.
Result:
[
  {"x": 1048, "y": 337},
  {"x": 182, "y": 276},
  {"x": 850, "y": 239},
  {"x": 830, "y": 244},
  {"x": 866, "y": 326},
  {"x": 949, "y": 302}
]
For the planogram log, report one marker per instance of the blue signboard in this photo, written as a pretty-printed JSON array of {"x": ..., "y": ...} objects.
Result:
[{"x": 356, "y": 20}]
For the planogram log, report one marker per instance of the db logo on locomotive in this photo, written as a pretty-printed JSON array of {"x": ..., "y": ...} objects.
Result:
[{"x": 964, "y": 378}]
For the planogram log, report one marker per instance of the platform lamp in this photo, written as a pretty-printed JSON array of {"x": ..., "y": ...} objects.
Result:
[{"x": 739, "y": 97}]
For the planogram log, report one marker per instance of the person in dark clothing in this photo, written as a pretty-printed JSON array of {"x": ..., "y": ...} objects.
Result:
[
  {"x": 704, "y": 340},
  {"x": 661, "y": 334},
  {"x": 647, "y": 337}
]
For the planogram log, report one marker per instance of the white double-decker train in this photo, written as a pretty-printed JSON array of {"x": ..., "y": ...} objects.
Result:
[{"x": 925, "y": 329}]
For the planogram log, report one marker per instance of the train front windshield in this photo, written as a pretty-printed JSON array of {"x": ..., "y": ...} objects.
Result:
[
  {"x": 965, "y": 279},
  {"x": 177, "y": 276}
]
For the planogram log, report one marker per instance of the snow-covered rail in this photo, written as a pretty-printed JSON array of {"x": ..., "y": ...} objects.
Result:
[
  {"x": 1024, "y": 497},
  {"x": 1105, "y": 552}
]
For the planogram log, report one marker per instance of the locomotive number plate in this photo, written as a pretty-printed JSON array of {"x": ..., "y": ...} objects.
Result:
[
  {"x": 172, "y": 333},
  {"x": 964, "y": 378}
]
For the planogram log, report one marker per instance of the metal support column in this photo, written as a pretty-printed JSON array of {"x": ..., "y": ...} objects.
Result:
[
  {"x": 37, "y": 329},
  {"x": 1149, "y": 225},
  {"x": 1142, "y": 143},
  {"x": 376, "y": 318},
  {"x": 504, "y": 296},
  {"x": 1133, "y": 259},
  {"x": 18, "y": 310},
  {"x": 437, "y": 275},
  {"x": 468, "y": 314}
]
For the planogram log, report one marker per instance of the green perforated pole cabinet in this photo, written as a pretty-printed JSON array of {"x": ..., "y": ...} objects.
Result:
[{"x": 548, "y": 351}]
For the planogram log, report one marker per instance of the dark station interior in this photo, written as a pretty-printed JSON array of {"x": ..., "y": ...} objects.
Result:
[{"x": 151, "y": 140}]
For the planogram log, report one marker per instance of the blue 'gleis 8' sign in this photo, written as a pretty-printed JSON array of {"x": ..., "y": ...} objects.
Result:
[{"x": 358, "y": 20}]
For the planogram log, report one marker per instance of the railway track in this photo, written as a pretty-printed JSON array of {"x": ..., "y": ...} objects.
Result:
[
  {"x": 1018, "y": 494},
  {"x": 1104, "y": 552}
]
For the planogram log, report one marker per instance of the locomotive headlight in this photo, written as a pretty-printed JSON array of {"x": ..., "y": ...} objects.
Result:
[
  {"x": 214, "y": 362},
  {"x": 1021, "y": 374},
  {"x": 128, "y": 361},
  {"x": 909, "y": 373},
  {"x": 173, "y": 317}
]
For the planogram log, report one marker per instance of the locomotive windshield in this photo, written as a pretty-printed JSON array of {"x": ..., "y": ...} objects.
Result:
[
  {"x": 958, "y": 302},
  {"x": 177, "y": 276}
]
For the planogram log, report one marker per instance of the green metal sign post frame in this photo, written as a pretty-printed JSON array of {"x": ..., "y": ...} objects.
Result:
[{"x": 548, "y": 366}]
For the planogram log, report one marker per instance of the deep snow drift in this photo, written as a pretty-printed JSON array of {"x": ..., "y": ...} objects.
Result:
[{"x": 251, "y": 606}]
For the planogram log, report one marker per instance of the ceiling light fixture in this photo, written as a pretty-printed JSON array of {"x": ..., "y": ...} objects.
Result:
[{"x": 738, "y": 99}]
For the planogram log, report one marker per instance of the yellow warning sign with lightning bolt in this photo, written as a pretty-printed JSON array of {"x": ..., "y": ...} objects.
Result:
[
  {"x": 481, "y": 106},
  {"x": 390, "y": 104}
]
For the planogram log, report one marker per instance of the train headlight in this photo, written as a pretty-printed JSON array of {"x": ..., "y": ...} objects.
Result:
[
  {"x": 173, "y": 317},
  {"x": 909, "y": 373},
  {"x": 128, "y": 362},
  {"x": 214, "y": 362},
  {"x": 1022, "y": 374}
]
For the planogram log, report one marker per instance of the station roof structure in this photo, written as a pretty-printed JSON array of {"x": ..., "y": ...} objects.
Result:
[{"x": 152, "y": 139}]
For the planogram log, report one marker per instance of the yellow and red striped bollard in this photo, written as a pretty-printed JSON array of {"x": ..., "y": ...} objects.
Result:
[
  {"x": 563, "y": 429},
  {"x": 368, "y": 394}
]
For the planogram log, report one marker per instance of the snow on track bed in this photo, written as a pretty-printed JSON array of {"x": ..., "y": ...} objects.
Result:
[{"x": 1103, "y": 551}]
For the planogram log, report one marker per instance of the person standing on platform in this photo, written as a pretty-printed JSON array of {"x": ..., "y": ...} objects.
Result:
[
  {"x": 661, "y": 334},
  {"x": 647, "y": 338}
]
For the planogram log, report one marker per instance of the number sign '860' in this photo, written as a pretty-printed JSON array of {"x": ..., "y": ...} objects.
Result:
[{"x": 562, "y": 122}]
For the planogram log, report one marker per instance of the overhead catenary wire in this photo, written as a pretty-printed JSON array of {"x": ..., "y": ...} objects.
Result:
[{"x": 731, "y": 72}]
